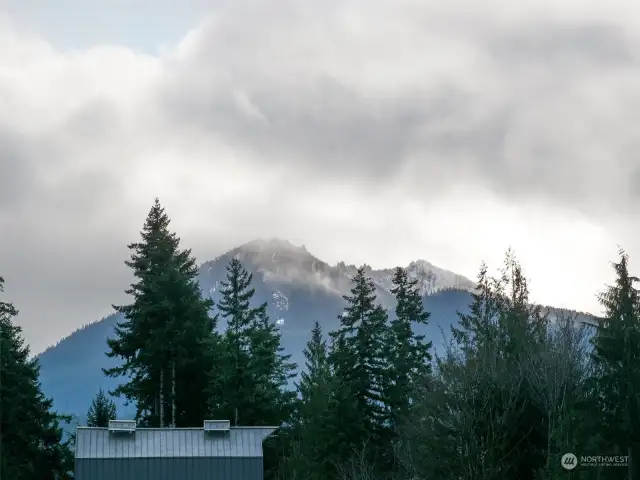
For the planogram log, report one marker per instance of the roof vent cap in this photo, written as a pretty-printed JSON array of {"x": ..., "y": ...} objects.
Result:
[
  {"x": 127, "y": 426},
  {"x": 217, "y": 425}
]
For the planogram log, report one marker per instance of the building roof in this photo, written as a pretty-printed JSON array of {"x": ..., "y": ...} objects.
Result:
[{"x": 94, "y": 442}]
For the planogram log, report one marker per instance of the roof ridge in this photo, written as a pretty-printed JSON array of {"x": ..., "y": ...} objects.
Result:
[
  {"x": 188, "y": 442},
  {"x": 176, "y": 428}
]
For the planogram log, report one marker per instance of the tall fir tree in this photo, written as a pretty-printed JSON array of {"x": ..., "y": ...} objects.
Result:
[
  {"x": 616, "y": 356},
  {"x": 409, "y": 353},
  {"x": 102, "y": 410},
  {"x": 166, "y": 337},
  {"x": 479, "y": 324},
  {"x": 31, "y": 439},
  {"x": 494, "y": 341},
  {"x": 522, "y": 333},
  {"x": 272, "y": 370},
  {"x": 361, "y": 368},
  {"x": 231, "y": 382},
  {"x": 248, "y": 383},
  {"x": 466, "y": 404},
  {"x": 309, "y": 455},
  {"x": 316, "y": 378}
]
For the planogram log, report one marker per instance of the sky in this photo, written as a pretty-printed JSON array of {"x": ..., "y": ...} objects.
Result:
[{"x": 378, "y": 131}]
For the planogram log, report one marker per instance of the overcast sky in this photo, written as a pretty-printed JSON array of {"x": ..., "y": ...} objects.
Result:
[{"x": 371, "y": 131}]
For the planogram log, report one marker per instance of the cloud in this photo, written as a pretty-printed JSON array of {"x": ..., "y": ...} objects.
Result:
[
  {"x": 373, "y": 131},
  {"x": 533, "y": 110}
]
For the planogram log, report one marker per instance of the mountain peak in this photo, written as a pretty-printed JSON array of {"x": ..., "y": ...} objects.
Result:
[
  {"x": 272, "y": 245},
  {"x": 279, "y": 262},
  {"x": 430, "y": 277},
  {"x": 420, "y": 263}
]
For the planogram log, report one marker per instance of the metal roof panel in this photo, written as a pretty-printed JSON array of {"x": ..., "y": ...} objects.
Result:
[{"x": 171, "y": 443}]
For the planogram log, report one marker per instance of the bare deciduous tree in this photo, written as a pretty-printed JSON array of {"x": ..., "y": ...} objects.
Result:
[
  {"x": 556, "y": 376},
  {"x": 358, "y": 467}
]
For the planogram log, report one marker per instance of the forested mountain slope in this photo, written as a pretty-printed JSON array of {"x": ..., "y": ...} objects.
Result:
[{"x": 299, "y": 288}]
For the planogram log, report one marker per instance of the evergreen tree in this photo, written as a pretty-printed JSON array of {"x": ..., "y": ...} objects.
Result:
[
  {"x": 102, "y": 410},
  {"x": 359, "y": 363},
  {"x": 231, "y": 383},
  {"x": 309, "y": 456},
  {"x": 522, "y": 331},
  {"x": 481, "y": 401},
  {"x": 31, "y": 440},
  {"x": 317, "y": 375},
  {"x": 167, "y": 334},
  {"x": 248, "y": 383},
  {"x": 469, "y": 404},
  {"x": 272, "y": 372},
  {"x": 409, "y": 354},
  {"x": 616, "y": 356}
]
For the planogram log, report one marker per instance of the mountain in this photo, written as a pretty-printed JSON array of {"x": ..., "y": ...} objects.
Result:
[
  {"x": 300, "y": 289},
  {"x": 279, "y": 264}
]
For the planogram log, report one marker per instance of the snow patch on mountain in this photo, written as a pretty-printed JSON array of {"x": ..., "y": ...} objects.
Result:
[
  {"x": 216, "y": 286},
  {"x": 280, "y": 300}
]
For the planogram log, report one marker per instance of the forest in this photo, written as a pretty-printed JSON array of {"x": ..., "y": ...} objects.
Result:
[{"x": 514, "y": 392}]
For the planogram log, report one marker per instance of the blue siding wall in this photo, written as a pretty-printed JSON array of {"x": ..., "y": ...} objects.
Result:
[{"x": 231, "y": 468}]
